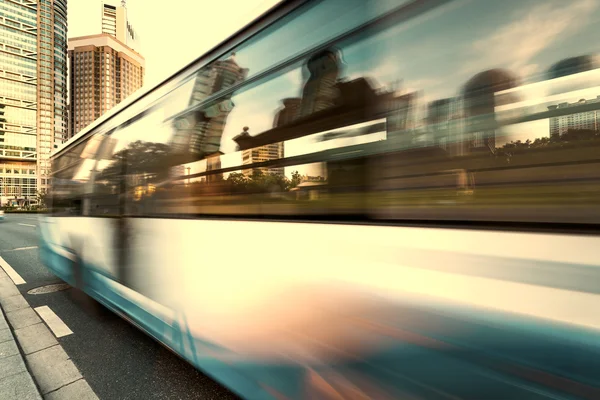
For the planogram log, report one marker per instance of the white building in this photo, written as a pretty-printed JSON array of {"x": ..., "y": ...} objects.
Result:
[
  {"x": 115, "y": 22},
  {"x": 581, "y": 120}
]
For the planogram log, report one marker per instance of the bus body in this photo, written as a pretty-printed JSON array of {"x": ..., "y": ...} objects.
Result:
[{"x": 446, "y": 247}]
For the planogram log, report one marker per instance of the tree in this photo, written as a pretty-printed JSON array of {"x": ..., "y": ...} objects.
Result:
[
  {"x": 41, "y": 196},
  {"x": 238, "y": 181},
  {"x": 141, "y": 158},
  {"x": 259, "y": 182},
  {"x": 296, "y": 180},
  {"x": 571, "y": 136},
  {"x": 237, "y": 178}
]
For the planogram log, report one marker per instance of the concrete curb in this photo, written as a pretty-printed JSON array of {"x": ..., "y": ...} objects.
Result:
[{"x": 35, "y": 356}]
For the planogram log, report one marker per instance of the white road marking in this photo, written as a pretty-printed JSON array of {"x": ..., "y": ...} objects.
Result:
[
  {"x": 27, "y": 225},
  {"x": 16, "y": 278},
  {"x": 53, "y": 321},
  {"x": 25, "y": 248}
]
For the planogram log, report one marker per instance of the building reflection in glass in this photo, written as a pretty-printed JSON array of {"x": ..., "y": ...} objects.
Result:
[
  {"x": 199, "y": 132},
  {"x": 369, "y": 150}
]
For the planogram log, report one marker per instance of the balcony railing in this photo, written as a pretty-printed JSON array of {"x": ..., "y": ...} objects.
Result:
[{"x": 18, "y": 154}]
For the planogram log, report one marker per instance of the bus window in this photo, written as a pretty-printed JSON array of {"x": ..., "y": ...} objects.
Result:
[{"x": 134, "y": 158}]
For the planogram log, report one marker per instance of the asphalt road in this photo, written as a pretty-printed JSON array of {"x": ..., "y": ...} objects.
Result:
[{"x": 117, "y": 359}]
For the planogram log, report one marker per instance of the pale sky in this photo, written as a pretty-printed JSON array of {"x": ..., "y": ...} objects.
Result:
[{"x": 172, "y": 33}]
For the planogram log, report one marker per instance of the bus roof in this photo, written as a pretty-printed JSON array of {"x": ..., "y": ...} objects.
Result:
[{"x": 262, "y": 21}]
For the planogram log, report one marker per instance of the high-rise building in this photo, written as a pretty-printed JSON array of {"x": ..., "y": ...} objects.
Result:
[
  {"x": 273, "y": 151},
  {"x": 480, "y": 101},
  {"x": 104, "y": 71},
  {"x": 264, "y": 153},
  {"x": 458, "y": 143},
  {"x": 588, "y": 120},
  {"x": 438, "y": 121},
  {"x": 438, "y": 112},
  {"x": 268, "y": 152},
  {"x": 199, "y": 133},
  {"x": 33, "y": 78},
  {"x": 289, "y": 112},
  {"x": 320, "y": 90},
  {"x": 115, "y": 22},
  {"x": 213, "y": 162}
]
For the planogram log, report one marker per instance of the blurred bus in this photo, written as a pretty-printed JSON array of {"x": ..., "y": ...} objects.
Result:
[{"x": 356, "y": 199}]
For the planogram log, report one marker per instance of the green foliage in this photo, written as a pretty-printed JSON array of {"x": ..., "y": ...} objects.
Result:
[
  {"x": 296, "y": 179},
  {"x": 260, "y": 182},
  {"x": 41, "y": 196},
  {"x": 571, "y": 136},
  {"x": 139, "y": 158}
]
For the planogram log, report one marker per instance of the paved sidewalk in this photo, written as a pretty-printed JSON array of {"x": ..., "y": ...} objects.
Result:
[
  {"x": 32, "y": 362},
  {"x": 15, "y": 381}
]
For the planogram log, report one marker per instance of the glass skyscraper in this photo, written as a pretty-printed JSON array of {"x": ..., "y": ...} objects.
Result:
[{"x": 33, "y": 78}]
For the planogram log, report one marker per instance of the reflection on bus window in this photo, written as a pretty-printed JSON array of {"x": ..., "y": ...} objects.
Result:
[{"x": 376, "y": 125}]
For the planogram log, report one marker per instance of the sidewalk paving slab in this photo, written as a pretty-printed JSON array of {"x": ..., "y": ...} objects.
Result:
[
  {"x": 22, "y": 318},
  {"x": 16, "y": 382},
  {"x": 19, "y": 387},
  {"x": 11, "y": 366},
  {"x": 7, "y": 288},
  {"x": 8, "y": 348},
  {"x": 3, "y": 323},
  {"x": 5, "y": 335},
  {"x": 52, "y": 368},
  {"x": 14, "y": 303},
  {"x": 79, "y": 390},
  {"x": 35, "y": 338}
]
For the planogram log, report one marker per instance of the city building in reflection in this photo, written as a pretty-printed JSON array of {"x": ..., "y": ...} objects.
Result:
[
  {"x": 400, "y": 118},
  {"x": 213, "y": 163},
  {"x": 320, "y": 93},
  {"x": 438, "y": 121},
  {"x": 568, "y": 76},
  {"x": 588, "y": 120},
  {"x": 329, "y": 102},
  {"x": 480, "y": 103},
  {"x": 273, "y": 151},
  {"x": 198, "y": 133},
  {"x": 177, "y": 171},
  {"x": 288, "y": 113},
  {"x": 321, "y": 88},
  {"x": 571, "y": 66}
]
